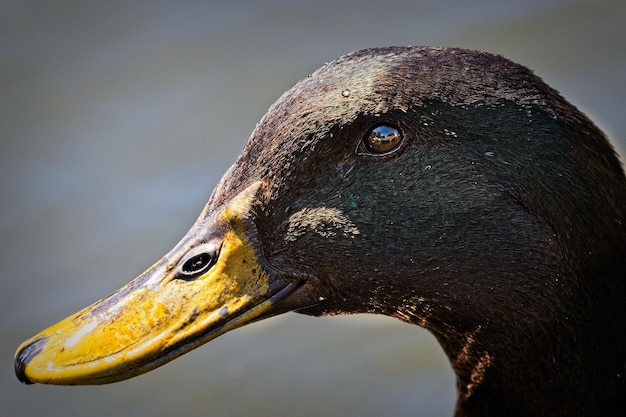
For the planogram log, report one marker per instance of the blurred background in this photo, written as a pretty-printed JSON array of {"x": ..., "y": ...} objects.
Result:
[{"x": 118, "y": 118}]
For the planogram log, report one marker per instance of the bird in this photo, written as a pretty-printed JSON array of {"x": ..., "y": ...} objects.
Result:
[{"x": 449, "y": 188}]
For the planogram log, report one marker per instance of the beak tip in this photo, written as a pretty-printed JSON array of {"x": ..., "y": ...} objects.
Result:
[{"x": 23, "y": 357}]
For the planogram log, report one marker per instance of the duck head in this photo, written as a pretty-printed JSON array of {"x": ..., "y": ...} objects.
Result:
[{"x": 449, "y": 188}]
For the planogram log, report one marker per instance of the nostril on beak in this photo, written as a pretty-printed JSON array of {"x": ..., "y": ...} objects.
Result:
[{"x": 24, "y": 356}]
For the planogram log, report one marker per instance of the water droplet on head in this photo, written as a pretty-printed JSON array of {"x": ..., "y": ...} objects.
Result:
[{"x": 345, "y": 93}]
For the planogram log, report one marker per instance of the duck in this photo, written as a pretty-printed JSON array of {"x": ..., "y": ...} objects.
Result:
[{"x": 449, "y": 188}]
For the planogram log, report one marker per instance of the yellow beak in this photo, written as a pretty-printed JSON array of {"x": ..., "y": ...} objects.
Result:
[{"x": 213, "y": 281}]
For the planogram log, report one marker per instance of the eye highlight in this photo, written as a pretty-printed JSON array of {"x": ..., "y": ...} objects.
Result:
[{"x": 382, "y": 140}]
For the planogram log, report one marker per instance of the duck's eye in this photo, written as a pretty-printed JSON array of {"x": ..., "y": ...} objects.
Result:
[
  {"x": 197, "y": 261},
  {"x": 382, "y": 139}
]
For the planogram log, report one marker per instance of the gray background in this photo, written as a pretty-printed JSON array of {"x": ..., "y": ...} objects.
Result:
[{"x": 118, "y": 118}]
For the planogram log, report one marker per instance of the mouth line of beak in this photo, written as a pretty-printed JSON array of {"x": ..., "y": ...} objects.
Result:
[
  {"x": 254, "y": 313},
  {"x": 190, "y": 341}
]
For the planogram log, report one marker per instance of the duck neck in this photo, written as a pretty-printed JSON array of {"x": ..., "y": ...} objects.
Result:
[{"x": 571, "y": 362}]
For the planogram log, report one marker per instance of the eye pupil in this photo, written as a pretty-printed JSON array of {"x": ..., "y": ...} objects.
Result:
[
  {"x": 382, "y": 139},
  {"x": 196, "y": 263}
]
